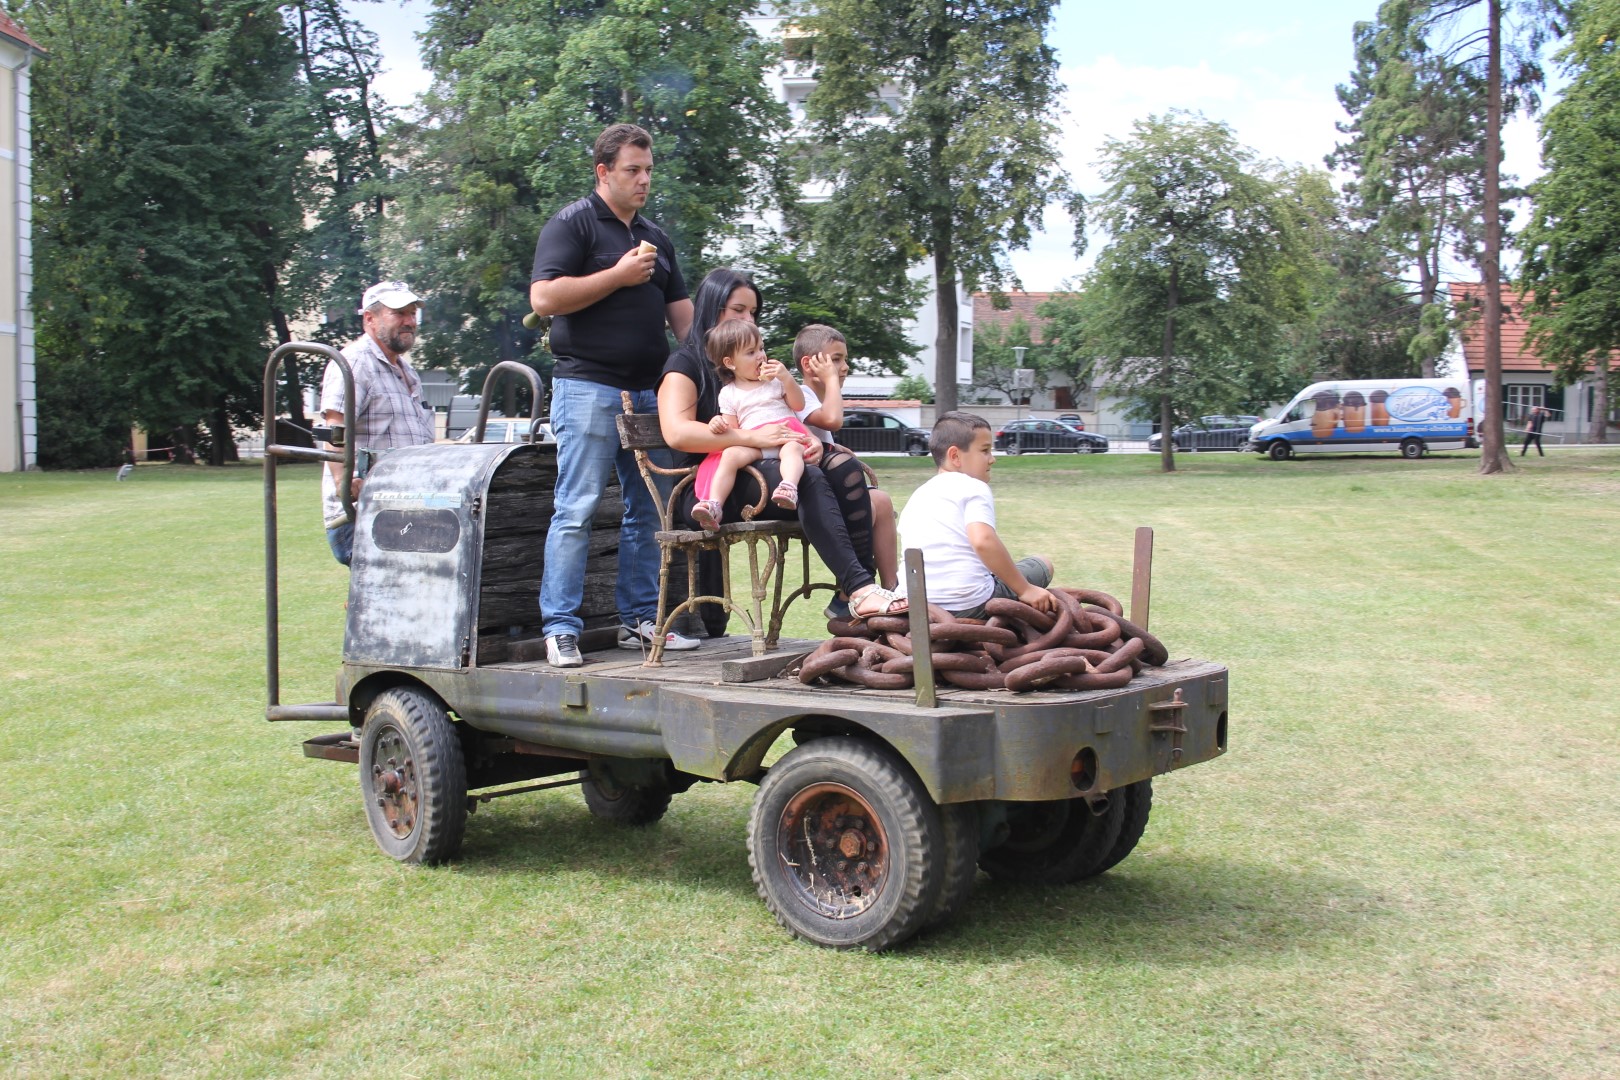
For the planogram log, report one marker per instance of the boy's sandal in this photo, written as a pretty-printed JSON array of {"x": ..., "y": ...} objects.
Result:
[
  {"x": 882, "y": 601},
  {"x": 706, "y": 512},
  {"x": 786, "y": 495}
]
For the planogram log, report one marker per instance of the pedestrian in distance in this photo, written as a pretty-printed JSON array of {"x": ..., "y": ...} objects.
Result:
[{"x": 1532, "y": 431}]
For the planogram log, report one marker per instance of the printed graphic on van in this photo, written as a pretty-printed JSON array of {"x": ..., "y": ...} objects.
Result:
[{"x": 1421, "y": 404}]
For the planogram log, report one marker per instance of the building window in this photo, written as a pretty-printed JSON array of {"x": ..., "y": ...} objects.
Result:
[{"x": 1519, "y": 398}]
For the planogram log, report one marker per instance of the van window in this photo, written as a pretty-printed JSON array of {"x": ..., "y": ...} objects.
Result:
[{"x": 1295, "y": 412}]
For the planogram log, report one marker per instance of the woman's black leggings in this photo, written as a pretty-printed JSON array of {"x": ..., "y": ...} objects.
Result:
[{"x": 821, "y": 512}]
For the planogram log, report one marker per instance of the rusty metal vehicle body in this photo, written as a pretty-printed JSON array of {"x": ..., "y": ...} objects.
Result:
[{"x": 872, "y": 827}]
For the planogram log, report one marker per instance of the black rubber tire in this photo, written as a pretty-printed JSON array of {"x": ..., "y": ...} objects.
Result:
[
  {"x": 959, "y": 834},
  {"x": 1279, "y": 450},
  {"x": 623, "y": 805},
  {"x": 854, "y": 795},
  {"x": 1055, "y": 843},
  {"x": 916, "y": 449},
  {"x": 1138, "y": 799},
  {"x": 1014, "y": 448},
  {"x": 413, "y": 777},
  {"x": 1412, "y": 449}
]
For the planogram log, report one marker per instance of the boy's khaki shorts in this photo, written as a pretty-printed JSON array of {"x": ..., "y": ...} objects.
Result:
[{"x": 1035, "y": 571}]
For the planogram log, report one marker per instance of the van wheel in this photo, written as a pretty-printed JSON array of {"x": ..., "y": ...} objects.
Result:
[
  {"x": 846, "y": 846},
  {"x": 1279, "y": 450},
  {"x": 413, "y": 777},
  {"x": 1412, "y": 449}
]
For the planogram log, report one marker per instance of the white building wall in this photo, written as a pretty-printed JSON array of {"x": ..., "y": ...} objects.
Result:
[{"x": 18, "y": 417}]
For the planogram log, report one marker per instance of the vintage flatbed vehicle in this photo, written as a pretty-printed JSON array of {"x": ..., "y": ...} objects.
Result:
[{"x": 872, "y": 827}]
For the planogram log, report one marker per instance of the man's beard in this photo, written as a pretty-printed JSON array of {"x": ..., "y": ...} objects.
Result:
[{"x": 400, "y": 341}]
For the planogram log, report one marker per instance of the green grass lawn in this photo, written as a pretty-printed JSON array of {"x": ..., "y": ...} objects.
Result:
[{"x": 1406, "y": 866}]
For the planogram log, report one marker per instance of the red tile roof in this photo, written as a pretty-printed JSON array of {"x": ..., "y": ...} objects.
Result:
[
  {"x": 1019, "y": 305},
  {"x": 11, "y": 29},
  {"x": 1517, "y": 355}
]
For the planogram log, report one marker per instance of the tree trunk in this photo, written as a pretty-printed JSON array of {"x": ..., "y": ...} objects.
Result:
[
  {"x": 1493, "y": 457},
  {"x": 1167, "y": 449},
  {"x": 947, "y": 316},
  {"x": 1599, "y": 431}
]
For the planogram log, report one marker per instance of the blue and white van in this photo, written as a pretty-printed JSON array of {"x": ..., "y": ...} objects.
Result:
[{"x": 1408, "y": 416}]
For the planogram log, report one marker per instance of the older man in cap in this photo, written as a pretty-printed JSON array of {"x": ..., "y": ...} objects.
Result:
[{"x": 388, "y": 406}]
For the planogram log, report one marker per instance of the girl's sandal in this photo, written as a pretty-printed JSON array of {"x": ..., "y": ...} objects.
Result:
[
  {"x": 875, "y": 600},
  {"x": 786, "y": 495},
  {"x": 706, "y": 512}
]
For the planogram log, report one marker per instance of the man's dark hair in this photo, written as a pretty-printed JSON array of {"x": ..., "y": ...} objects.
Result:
[
  {"x": 616, "y": 138},
  {"x": 813, "y": 339},
  {"x": 954, "y": 429},
  {"x": 729, "y": 339}
]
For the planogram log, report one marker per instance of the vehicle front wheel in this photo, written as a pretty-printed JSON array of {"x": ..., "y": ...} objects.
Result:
[
  {"x": 916, "y": 449},
  {"x": 1411, "y": 449},
  {"x": 1138, "y": 799},
  {"x": 1055, "y": 843},
  {"x": 846, "y": 846},
  {"x": 1279, "y": 450},
  {"x": 1014, "y": 449},
  {"x": 413, "y": 777}
]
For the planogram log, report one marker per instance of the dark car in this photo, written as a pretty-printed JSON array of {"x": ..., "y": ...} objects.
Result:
[
  {"x": 1047, "y": 437},
  {"x": 1072, "y": 419},
  {"x": 1210, "y": 433},
  {"x": 868, "y": 431}
]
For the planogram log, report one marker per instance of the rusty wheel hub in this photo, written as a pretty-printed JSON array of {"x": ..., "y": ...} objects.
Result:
[
  {"x": 394, "y": 783},
  {"x": 834, "y": 851}
]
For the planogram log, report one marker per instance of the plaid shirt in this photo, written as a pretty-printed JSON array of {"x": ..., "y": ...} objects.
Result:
[{"x": 388, "y": 410}]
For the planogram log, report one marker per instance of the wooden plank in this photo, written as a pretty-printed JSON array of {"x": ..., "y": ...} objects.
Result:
[
  {"x": 1142, "y": 576},
  {"x": 759, "y": 668}
]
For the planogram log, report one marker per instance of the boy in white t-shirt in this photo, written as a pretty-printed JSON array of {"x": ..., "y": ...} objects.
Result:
[{"x": 952, "y": 519}]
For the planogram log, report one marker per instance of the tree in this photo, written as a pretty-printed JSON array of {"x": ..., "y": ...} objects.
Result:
[
  {"x": 1571, "y": 269},
  {"x": 1195, "y": 278},
  {"x": 1511, "y": 72},
  {"x": 520, "y": 92},
  {"x": 933, "y": 124},
  {"x": 799, "y": 289},
  {"x": 1417, "y": 147},
  {"x": 914, "y": 388},
  {"x": 179, "y": 188},
  {"x": 994, "y": 361}
]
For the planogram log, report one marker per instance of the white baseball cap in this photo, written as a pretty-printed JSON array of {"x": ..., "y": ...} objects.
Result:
[{"x": 394, "y": 294}]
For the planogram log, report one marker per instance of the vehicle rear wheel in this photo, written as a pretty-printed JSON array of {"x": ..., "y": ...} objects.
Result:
[
  {"x": 845, "y": 845},
  {"x": 623, "y": 804},
  {"x": 1055, "y": 843},
  {"x": 1411, "y": 449},
  {"x": 413, "y": 777},
  {"x": 1279, "y": 450},
  {"x": 916, "y": 449},
  {"x": 959, "y": 835},
  {"x": 1014, "y": 449},
  {"x": 1138, "y": 799}
]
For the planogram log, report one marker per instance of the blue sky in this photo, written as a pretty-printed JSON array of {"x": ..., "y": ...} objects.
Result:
[{"x": 1266, "y": 67}]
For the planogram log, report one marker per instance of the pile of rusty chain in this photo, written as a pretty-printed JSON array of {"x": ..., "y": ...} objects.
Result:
[{"x": 1087, "y": 645}]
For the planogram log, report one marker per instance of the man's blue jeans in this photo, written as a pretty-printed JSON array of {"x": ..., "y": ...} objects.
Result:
[
  {"x": 588, "y": 453},
  {"x": 341, "y": 539}
]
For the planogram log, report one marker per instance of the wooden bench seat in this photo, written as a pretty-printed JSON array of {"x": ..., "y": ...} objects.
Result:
[{"x": 768, "y": 544}]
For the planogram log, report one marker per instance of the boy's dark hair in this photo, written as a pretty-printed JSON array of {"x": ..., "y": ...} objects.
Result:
[
  {"x": 954, "y": 429},
  {"x": 728, "y": 339},
  {"x": 616, "y": 138},
  {"x": 814, "y": 338}
]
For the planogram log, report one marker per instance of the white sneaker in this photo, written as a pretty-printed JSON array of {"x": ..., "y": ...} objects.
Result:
[
  {"x": 562, "y": 650},
  {"x": 642, "y": 637}
]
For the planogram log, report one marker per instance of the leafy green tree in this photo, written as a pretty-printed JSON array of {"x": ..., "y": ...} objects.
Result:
[
  {"x": 1417, "y": 148},
  {"x": 799, "y": 289},
  {"x": 934, "y": 125},
  {"x": 177, "y": 184},
  {"x": 1196, "y": 276},
  {"x": 914, "y": 388},
  {"x": 994, "y": 361},
  {"x": 1571, "y": 269},
  {"x": 521, "y": 89}
]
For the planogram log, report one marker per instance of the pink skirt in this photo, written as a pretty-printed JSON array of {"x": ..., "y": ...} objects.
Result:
[{"x": 705, "y": 473}]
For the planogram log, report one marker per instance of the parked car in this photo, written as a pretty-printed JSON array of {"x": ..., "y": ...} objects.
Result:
[
  {"x": 1209, "y": 433},
  {"x": 1047, "y": 437},
  {"x": 867, "y": 431},
  {"x": 508, "y": 429},
  {"x": 1072, "y": 419}
]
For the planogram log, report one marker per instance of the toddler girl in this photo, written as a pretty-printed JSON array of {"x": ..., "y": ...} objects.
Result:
[{"x": 756, "y": 392}]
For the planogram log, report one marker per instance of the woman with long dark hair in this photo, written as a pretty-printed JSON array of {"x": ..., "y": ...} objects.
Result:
[{"x": 833, "y": 506}]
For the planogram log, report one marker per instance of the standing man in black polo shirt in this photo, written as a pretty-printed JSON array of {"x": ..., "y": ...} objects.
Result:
[{"x": 609, "y": 279}]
